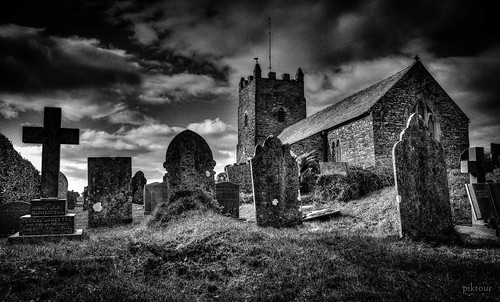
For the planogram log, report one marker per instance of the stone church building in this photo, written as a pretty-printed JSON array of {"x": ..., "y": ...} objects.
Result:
[{"x": 360, "y": 129}]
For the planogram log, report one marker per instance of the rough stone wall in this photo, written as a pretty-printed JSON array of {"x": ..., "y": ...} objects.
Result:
[
  {"x": 314, "y": 142},
  {"x": 240, "y": 174},
  {"x": 19, "y": 180},
  {"x": 393, "y": 110},
  {"x": 109, "y": 191},
  {"x": 246, "y": 133},
  {"x": 275, "y": 180},
  {"x": 262, "y": 99},
  {"x": 422, "y": 184},
  {"x": 356, "y": 142}
]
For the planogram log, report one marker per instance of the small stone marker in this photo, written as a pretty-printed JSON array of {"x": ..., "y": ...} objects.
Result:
[
  {"x": 228, "y": 196},
  {"x": 109, "y": 191},
  {"x": 275, "y": 180},
  {"x": 421, "y": 184},
  {"x": 72, "y": 199},
  {"x": 48, "y": 217},
  {"x": 189, "y": 163},
  {"x": 138, "y": 182},
  {"x": 51, "y": 135},
  {"x": 333, "y": 168},
  {"x": 62, "y": 188},
  {"x": 154, "y": 194},
  {"x": 10, "y": 212}
]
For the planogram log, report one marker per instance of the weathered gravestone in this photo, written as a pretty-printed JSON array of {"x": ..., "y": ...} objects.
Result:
[
  {"x": 48, "y": 217},
  {"x": 79, "y": 201},
  {"x": 62, "y": 188},
  {"x": 228, "y": 196},
  {"x": 10, "y": 212},
  {"x": 138, "y": 182},
  {"x": 275, "y": 180},
  {"x": 421, "y": 184},
  {"x": 154, "y": 194},
  {"x": 333, "y": 168},
  {"x": 72, "y": 198},
  {"x": 109, "y": 192},
  {"x": 190, "y": 164}
]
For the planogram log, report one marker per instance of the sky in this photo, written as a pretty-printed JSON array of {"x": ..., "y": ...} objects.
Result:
[{"x": 133, "y": 74}]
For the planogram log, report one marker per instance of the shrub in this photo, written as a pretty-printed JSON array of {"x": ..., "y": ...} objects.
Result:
[
  {"x": 308, "y": 170},
  {"x": 182, "y": 202},
  {"x": 357, "y": 183}
]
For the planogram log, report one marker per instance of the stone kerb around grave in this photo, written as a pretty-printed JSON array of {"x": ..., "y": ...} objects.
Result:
[
  {"x": 275, "y": 181},
  {"x": 421, "y": 184}
]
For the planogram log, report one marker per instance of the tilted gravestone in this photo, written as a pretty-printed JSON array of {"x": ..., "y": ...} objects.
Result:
[
  {"x": 138, "y": 182},
  {"x": 275, "y": 180},
  {"x": 109, "y": 192},
  {"x": 62, "y": 188},
  {"x": 154, "y": 194},
  {"x": 48, "y": 217},
  {"x": 421, "y": 184},
  {"x": 228, "y": 196},
  {"x": 190, "y": 164},
  {"x": 10, "y": 212}
]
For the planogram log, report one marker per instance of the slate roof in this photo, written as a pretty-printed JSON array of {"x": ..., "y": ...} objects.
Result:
[{"x": 343, "y": 111}]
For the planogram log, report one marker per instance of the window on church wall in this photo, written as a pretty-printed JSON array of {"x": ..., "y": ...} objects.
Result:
[
  {"x": 281, "y": 115},
  {"x": 339, "y": 153},
  {"x": 246, "y": 119},
  {"x": 334, "y": 153},
  {"x": 425, "y": 113}
]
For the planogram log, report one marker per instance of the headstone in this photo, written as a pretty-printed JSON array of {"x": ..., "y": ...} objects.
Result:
[
  {"x": 79, "y": 201},
  {"x": 333, "y": 168},
  {"x": 495, "y": 154},
  {"x": 228, "y": 196},
  {"x": 109, "y": 192},
  {"x": 48, "y": 217},
  {"x": 138, "y": 182},
  {"x": 275, "y": 180},
  {"x": 72, "y": 199},
  {"x": 62, "y": 189},
  {"x": 472, "y": 162},
  {"x": 485, "y": 201},
  {"x": 51, "y": 135},
  {"x": 154, "y": 194},
  {"x": 85, "y": 198},
  {"x": 190, "y": 164},
  {"x": 421, "y": 184},
  {"x": 10, "y": 212},
  {"x": 222, "y": 177}
]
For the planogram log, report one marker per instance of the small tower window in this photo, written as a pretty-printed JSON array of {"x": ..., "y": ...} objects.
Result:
[
  {"x": 246, "y": 119},
  {"x": 281, "y": 115}
]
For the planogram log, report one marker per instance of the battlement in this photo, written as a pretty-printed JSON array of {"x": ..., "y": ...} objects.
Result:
[{"x": 271, "y": 76}]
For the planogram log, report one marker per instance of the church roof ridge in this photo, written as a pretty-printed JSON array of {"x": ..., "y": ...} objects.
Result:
[{"x": 343, "y": 111}]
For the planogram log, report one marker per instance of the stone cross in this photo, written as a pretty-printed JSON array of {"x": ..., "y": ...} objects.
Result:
[
  {"x": 51, "y": 135},
  {"x": 472, "y": 162}
]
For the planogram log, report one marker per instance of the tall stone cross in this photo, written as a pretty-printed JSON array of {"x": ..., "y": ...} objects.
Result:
[
  {"x": 51, "y": 135},
  {"x": 472, "y": 162}
]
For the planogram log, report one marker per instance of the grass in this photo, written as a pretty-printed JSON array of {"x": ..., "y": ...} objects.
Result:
[{"x": 207, "y": 257}]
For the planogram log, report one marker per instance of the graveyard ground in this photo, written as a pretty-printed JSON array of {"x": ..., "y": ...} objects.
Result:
[{"x": 207, "y": 257}]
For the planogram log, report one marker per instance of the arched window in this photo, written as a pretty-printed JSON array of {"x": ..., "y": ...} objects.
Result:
[
  {"x": 334, "y": 153},
  {"x": 281, "y": 115},
  {"x": 425, "y": 113},
  {"x": 246, "y": 119},
  {"x": 338, "y": 150}
]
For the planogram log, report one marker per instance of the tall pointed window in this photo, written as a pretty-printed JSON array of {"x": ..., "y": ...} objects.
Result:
[
  {"x": 281, "y": 115},
  {"x": 425, "y": 113},
  {"x": 246, "y": 119},
  {"x": 336, "y": 151}
]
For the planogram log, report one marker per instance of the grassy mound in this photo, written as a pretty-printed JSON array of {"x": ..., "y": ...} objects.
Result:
[
  {"x": 357, "y": 183},
  {"x": 181, "y": 203}
]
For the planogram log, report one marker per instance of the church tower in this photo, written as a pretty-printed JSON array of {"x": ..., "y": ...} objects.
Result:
[{"x": 266, "y": 107}]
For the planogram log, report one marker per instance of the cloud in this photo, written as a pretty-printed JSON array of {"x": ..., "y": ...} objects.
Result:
[
  {"x": 161, "y": 89},
  {"x": 144, "y": 33},
  {"x": 31, "y": 62}
]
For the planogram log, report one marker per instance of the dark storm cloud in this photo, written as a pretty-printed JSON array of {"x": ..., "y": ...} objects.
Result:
[{"x": 31, "y": 61}]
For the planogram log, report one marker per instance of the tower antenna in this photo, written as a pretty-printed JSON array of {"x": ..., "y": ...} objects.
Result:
[{"x": 270, "y": 44}]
